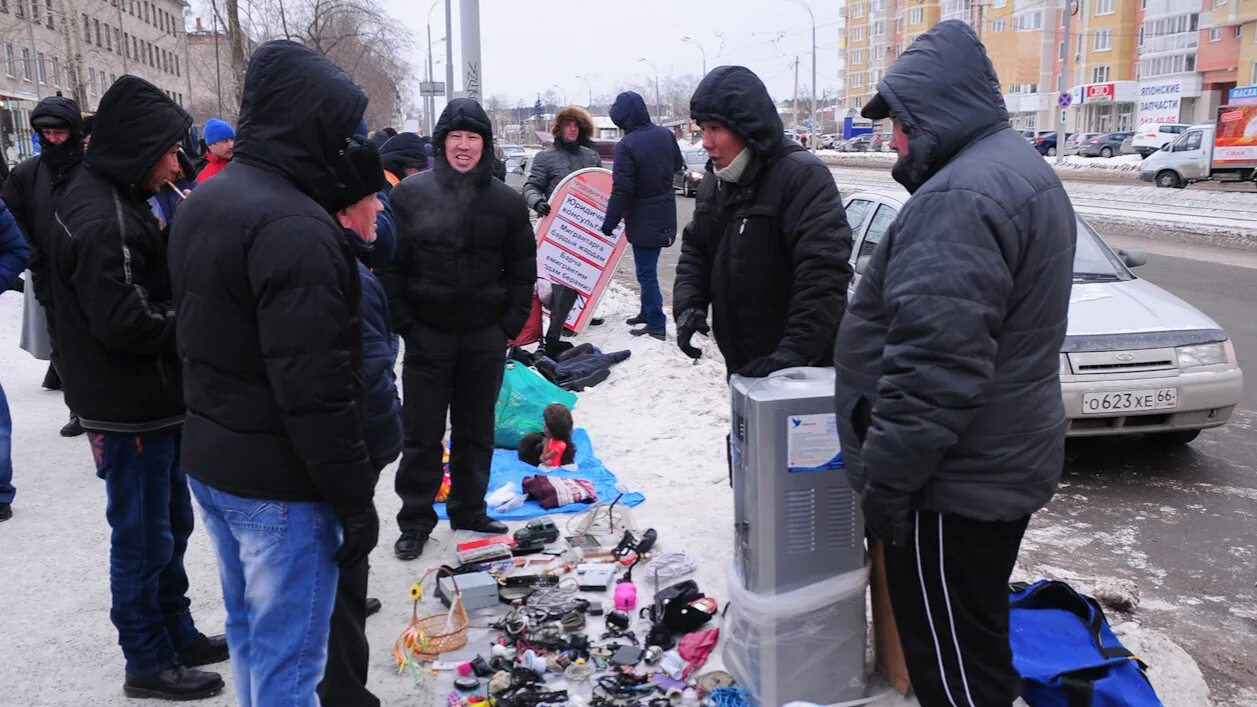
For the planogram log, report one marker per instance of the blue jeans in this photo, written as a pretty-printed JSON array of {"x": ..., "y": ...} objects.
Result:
[
  {"x": 6, "y": 448},
  {"x": 150, "y": 516},
  {"x": 647, "y": 262},
  {"x": 279, "y": 585}
]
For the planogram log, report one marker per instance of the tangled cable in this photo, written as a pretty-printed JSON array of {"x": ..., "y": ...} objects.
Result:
[
  {"x": 602, "y": 519},
  {"x": 669, "y": 566},
  {"x": 548, "y": 598}
]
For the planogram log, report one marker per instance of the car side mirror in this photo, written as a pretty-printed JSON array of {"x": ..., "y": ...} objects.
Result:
[
  {"x": 1133, "y": 257},
  {"x": 1165, "y": 147},
  {"x": 862, "y": 264}
]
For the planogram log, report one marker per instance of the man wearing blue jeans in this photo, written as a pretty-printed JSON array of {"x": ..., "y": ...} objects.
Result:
[
  {"x": 14, "y": 255},
  {"x": 116, "y": 334},
  {"x": 642, "y": 195},
  {"x": 269, "y": 310}
]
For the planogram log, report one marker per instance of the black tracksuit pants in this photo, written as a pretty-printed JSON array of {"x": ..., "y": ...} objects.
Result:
[
  {"x": 458, "y": 374},
  {"x": 949, "y": 590}
]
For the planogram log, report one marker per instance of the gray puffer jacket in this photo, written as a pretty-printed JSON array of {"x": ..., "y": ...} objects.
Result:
[
  {"x": 947, "y": 360},
  {"x": 551, "y": 165}
]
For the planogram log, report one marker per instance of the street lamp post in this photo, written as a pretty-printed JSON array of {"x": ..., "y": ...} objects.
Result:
[
  {"x": 658, "y": 107},
  {"x": 693, "y": 41},
  {"x": 590, "y": 86},
  {"x": 812, "y": 142},
  {"x": 430, "y": 101}
]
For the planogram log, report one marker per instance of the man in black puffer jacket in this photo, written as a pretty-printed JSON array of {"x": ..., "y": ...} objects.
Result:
[
  {"x": 270, "y": 334},
  {"x": 116, "y": 333},
  {"x": 642, "y": 194},
  {"x": 768, "y": 247},
  {"x": 948, "y": 388},
  {"x": 459, "y": 286}
]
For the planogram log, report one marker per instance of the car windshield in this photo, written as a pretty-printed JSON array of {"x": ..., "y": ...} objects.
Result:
[
  {"x": 513, "y": 150},
  {"x": 1093, "y": 261},
  {"x": 696, "y": 158}
]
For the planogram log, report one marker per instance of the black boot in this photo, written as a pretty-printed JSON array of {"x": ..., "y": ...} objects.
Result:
[
  {"x": 177, "y": 683},
  {"x": 578, "y": 350},
  {"x": 52, "y": 380},
  {"x": 204, "y": 650},
  {"x": 6, "y": 512},
  {"x": 597, "y": 321},
  {"x": 483, "y": 524},
  {"x": 635, "y": 321},
  {"x": 373, "y": 606},
  {"x": 660, "y": 334},
  {"x": 410, "y": 544},
  {"x": 73, "y": 428}
]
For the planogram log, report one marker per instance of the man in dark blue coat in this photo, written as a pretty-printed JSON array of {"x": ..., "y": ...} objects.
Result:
[
  {"x": 947, "y": 364},
  {"x": 642, "y": 195}
]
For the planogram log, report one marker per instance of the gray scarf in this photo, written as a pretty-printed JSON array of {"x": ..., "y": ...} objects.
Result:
[{"x": 734, "y": 171}]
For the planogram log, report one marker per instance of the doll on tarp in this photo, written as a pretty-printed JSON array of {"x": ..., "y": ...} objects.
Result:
[{"x": 552, "y": 447}]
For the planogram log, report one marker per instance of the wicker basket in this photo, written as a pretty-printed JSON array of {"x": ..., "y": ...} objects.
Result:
[{"x": 429, "y": 636}]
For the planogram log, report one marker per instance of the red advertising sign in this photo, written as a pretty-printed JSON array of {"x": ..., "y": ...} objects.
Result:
[
  {"x": 571, "y": 249},
  {"x": 1235, "y": 141},
  {"x": 1100, "y": 92}
]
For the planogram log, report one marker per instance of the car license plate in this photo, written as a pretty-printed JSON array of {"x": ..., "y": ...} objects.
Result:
[{"x": 1129, "y": 401}]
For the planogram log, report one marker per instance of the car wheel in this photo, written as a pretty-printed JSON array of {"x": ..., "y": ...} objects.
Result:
[
  {"x": 1051, "y": 152},
  {"x": 1168, "y": 180},
  {"x": 1106, "y": 152},
  {"x": 1177, "y": 438}
]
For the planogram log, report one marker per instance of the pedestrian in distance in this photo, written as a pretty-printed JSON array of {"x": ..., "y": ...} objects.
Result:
[
  {"x": 220, "y": 143},
  {"x": 768, "y": 247},
  {"x": 459, "y": 287},
  {"x": 116, "y": 333},
  {"x": 269, "y": 307},
  {"x": 33, "y": 192},
  {"x": 646, "y": 160},
  {"x": 402, "y": 156},
  {"x": 948, "y": 389},
  {"x": 14, "y": 255},
  {"x": 355, "y": 207},
  {"x": 573, "y": 128}
]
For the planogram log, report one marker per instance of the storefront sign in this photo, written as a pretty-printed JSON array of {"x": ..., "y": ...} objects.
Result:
[
  {"x": 1159, "y": 101},
  {"x": 1098, "y": 92},
  {"x": 1236, "y": 140},
  {"x": 571, "y": 249},
  {"x": 1243, "y": 96}
]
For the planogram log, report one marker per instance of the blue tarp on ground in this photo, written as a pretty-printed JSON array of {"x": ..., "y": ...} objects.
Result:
[{"x": 507, "y": 468}]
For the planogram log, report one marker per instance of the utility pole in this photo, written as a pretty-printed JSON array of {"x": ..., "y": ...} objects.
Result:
[
  {"x": 1067, "y": 13},
  {"x": 469, "y": 25},
  {"x": 794, "y": 106},
  {"x": 812, "y": 142},
  {"x": 429, "y": 102},
  {"x": 449, "y": 52}
]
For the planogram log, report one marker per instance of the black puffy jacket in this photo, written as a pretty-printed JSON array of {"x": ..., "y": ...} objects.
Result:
[
  {"x": 770, "y": 253},
  {"x": 269, "y": 299},
  {"x": 34, "y": 189},
  {"x": 111, "y": 288},
  {"x": 646, "y": 159},
  {"x": 466, "y": 255},
  {"x": 948, "y": 383}
]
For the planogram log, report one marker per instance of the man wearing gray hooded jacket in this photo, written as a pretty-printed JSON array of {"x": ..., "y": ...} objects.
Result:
[{"x": 947, "y": 363}]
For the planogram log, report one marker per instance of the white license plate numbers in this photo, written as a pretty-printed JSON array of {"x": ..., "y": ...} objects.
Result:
[{"x": 1129, "y": 401}]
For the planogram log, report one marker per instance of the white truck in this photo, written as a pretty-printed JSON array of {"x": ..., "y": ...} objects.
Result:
[{"x": 1224, "y": 151}]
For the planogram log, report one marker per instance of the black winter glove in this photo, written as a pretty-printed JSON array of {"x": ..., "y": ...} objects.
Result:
[
  {"x": 775, "y": 361},
  {"x": 362, "y": 531},
  {"x": 542, "y": 208},
  {"x": 887, "y": 514},
  {"x": 689, "y": 323}
]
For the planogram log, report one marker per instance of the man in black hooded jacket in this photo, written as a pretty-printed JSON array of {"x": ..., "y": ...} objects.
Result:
[
  {"x": 116, "y": 332},
  {"x": 33, "y": 192},
  {"x": 768, "y": 246},
  {"x": 270, "y": 335},
  {"x": 459, "y": 286},
  {"x": 947, "y": 364}
]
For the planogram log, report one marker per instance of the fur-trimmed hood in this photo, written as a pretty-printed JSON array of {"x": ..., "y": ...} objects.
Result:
[{"x": 582, "y": 119}]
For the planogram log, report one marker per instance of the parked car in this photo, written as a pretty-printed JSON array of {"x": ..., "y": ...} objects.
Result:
[
  {"x": 1105, "y": 145},
  {"x": 1046, "y": 143},
  {"x": 885, "y": 141},
  {"x": 606, "y": 150},
  {"x": 859, "y": 143},
  {"x": 687, "y": 179},
  {"x": 1151, "y": 137},
  {"x": 516, "y": 158},
  {"x": 830, "y": 141},
  {"x": 1128, "y": 145},
  {"x": 1136, "y": 359},
  {"x": 1076, "y": 141}
]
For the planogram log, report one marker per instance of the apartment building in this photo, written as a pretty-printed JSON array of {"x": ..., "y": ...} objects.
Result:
[
  {"x": 78, "y": 48},
  {"x": 877, "y": 33}
]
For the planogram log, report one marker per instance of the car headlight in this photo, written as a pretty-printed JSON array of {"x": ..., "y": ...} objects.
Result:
[
  {"x": 1202, "y": 355},
  {"x": 696, "y": 175}
]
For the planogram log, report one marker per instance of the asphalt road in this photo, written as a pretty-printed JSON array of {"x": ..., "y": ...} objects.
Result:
[{"x": 1180, "y": 522}]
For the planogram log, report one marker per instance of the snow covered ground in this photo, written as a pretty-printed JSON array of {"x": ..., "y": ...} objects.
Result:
[
  {"x": 1120, "y": 163},
  {"x": 658, "y": 422}
]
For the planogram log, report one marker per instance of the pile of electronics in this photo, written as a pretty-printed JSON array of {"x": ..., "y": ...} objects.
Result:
[{"x": 595, "y": 617}]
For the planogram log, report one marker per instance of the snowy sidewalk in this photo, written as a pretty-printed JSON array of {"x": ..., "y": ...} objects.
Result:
[{"x": 659, "y": 423}]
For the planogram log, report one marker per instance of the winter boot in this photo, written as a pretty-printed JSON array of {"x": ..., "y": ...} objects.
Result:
[
  {"x": 659, "y": 334},
  {"x": 73, "y": 428},
  {"x": 52, "y": 380},
  {"x": 636, "y": 321}
]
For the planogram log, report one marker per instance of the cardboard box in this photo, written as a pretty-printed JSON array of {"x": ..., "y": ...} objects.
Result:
[{"x": 887, "y": 651}]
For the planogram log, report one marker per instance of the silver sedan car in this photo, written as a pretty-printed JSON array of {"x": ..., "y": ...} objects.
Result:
[{"x": 1136, "y": 359}]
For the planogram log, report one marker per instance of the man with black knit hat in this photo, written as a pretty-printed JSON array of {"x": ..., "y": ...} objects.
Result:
[
  {"x": 767, "y": 248},
  {"x": 116, "y": 333},
  {"x": 573, "y": 133},
  {"x": 402, "y": 156},
  {"x": 33, "y": 192},
  {"x": 459, "y": 286},
  {"x": 270, "y": 313}
]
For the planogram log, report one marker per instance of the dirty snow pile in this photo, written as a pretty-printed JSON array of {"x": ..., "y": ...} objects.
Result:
[{"x": 658, "y": 422}]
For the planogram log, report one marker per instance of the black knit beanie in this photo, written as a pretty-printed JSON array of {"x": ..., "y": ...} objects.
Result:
[{"x": 359, "y": 174}]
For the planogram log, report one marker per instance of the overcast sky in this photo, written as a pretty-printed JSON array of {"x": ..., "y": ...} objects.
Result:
[{"x": 530, "y": 47}]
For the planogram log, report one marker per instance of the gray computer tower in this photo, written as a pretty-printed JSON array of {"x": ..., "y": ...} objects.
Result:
[{"x": 797, "y": 522}]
